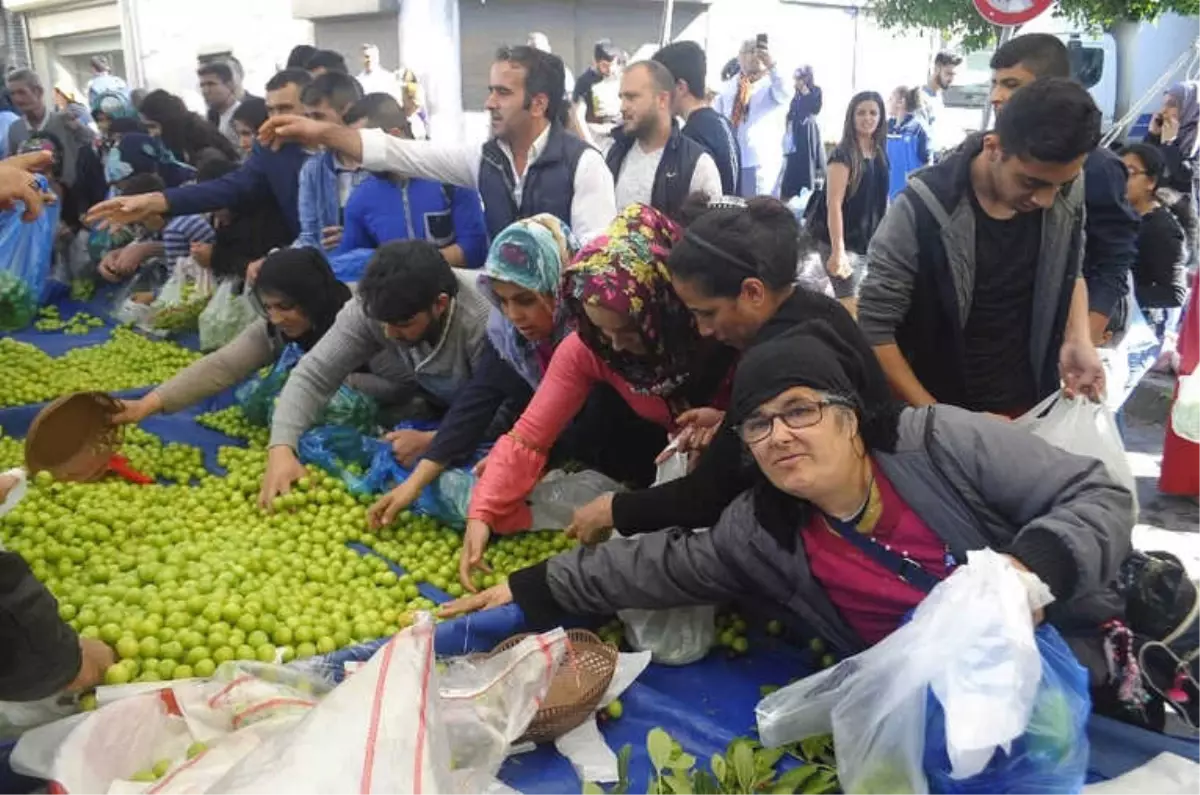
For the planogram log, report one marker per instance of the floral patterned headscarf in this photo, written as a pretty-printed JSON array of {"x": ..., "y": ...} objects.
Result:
[{"x": 624, "y": 270}]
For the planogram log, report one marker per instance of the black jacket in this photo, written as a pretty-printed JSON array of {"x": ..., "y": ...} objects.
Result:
[
  {"x": 724, "y": 471},
  {"x": 39, "y": 653},
  {"x": 673, "y": 178}
]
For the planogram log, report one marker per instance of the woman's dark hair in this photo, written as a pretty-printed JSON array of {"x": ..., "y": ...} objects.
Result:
[
  {"x": 125, "y": 126},
  {"x": 1152, "y": 161},
  {"x": 912, "y": 97},
  {"x": 183, "y": 132},
  {"x": 299, "y": 56},
  {"x": 252, "y": 112},
  {"x": 404, "y": 278},
  {"x": 545, "y": 73},
  {"x": 1052, "y": 120},
  {"x": 724, "y": 245},
  {"x": 303, "y": 276},
  {"x": 849, "y": 142}
]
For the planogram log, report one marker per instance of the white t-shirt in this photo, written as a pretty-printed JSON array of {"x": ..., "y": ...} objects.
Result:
[{"x": 635, "y": 182}]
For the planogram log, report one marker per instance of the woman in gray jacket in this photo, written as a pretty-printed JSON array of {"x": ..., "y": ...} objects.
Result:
[{"x": 860, "y": 510}]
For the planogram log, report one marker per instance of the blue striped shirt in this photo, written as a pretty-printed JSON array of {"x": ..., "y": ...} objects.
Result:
[{"x": 181, "y": 232}]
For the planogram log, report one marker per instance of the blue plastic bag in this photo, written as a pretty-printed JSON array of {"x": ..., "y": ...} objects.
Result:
[
  {"x": 26, "y": 248},
  {"x": 367, "y": 466},
  {"x": 347, "y": 407},
  {"x": 1051, "y": 756}
]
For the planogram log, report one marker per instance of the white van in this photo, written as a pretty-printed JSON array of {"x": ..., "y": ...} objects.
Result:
[{"x": 1093, "y": 63}]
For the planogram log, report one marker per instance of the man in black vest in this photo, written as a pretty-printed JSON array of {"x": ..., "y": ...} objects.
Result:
[
  {"x": 530, "y": 165},
  {"x": 651, "y": 161}
]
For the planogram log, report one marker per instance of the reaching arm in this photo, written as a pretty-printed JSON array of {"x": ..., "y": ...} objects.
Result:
[
  {"x": 219, "y": 370},
  {"x": 348, "y": 345},
  {"x": 378, "y": 151},
  {"x": 893, "y": 260},
  {"x": 660, "y": 570},
  {"x": 474, "y": 408},
  {"x": 39, "y": 653},
  {"x": 248, "y": 185},
  {"x": 516, "y": 462},
  {"x": 1075, "y": 520},
  {"x": 838, "y": 180}
]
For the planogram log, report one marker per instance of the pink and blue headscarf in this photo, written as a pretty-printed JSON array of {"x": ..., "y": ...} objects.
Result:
[{"x": 530, "y": 253}]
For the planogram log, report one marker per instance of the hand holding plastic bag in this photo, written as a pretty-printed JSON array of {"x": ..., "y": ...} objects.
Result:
[
  {"x": 1082, "y": 427},
  {"x": 26, "y": 248},
  {"x": 347, "y": 407},
  {"x": 1011, "y": 708}
]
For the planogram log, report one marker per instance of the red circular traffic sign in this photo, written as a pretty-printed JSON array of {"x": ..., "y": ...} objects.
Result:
[{"x": 1011, "y": 12}]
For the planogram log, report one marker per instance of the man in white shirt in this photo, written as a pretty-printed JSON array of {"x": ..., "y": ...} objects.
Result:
[
  {"x": 651, "y": 161},
  {"x": 756, "y": 102},
  {"x": 945, "y": 67},
  {"x": 218, "y": 86},
  {"x": 374, "y": 78},
  {"x": 530, "y": 165}
]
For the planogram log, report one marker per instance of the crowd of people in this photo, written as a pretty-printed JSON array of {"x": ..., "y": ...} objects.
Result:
[{"x": 615, "y": 269}]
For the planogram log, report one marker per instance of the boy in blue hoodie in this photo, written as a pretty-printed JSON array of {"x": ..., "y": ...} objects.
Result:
[
  {"x": 327, "y": 179},
  {"x": 386, "y": 207}
]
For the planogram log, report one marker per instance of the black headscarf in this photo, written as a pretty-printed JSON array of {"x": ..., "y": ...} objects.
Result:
[
  {"x": 303, "y": 276},
  {"x": 810, "y": 355},
  {"x": 813, "y": 355}
]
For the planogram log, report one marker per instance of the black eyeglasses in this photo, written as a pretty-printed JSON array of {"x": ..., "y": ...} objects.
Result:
[{"x": 796, "y": 416}]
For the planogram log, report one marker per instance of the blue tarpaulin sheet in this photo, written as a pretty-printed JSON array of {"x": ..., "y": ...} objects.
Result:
[{"x": 703, "y": 706}]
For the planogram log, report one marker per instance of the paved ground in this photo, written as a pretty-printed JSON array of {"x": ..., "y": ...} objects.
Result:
[{"x": 1170, "y": 523}]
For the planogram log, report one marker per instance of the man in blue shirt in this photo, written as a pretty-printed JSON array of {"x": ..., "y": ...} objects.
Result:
[
  {"x": 267, "y": 174},
  {"x": 387, "y": 207}
]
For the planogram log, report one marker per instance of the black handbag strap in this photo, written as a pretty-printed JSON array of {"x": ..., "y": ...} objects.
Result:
[{"x": 903, "y": 567}]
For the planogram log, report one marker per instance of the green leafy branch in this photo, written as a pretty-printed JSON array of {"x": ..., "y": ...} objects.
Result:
[{"x": 745, "y": 767}]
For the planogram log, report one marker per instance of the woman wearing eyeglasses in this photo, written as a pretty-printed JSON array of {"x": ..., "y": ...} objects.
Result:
[
  {"x": 859, "y": 508},
  {"x": 298, "y": 297}
]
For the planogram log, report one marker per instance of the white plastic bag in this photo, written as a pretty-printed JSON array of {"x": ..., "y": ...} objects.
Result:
[
  {"x": 398, "y": 725},
  {"x": 1185, "y": 413},
  {"x": 971, "y": 640},
  {"x": 676, "y": 635},
  {"x": 1082, "y": 427},
  {"x": 226, "y": 315},
  {"x": 554, "y": 500}
]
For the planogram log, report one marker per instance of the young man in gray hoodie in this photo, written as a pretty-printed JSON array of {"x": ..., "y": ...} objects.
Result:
[
  {"x": 410, "y": 305},
  {"x": 975, "y": 294}
]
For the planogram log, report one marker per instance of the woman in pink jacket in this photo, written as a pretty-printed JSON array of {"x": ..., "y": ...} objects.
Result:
[{"x": 631, "y": 332}]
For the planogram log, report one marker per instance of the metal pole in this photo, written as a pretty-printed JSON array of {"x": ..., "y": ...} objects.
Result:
[
  {"x": 668, "y": 16},
  {"x": 1006, "y": 33}
]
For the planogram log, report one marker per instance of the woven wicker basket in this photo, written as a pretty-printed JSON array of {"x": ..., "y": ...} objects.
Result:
[
  {"x": 577, "y": 687},
  {"x": 73, "y": 438}
]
